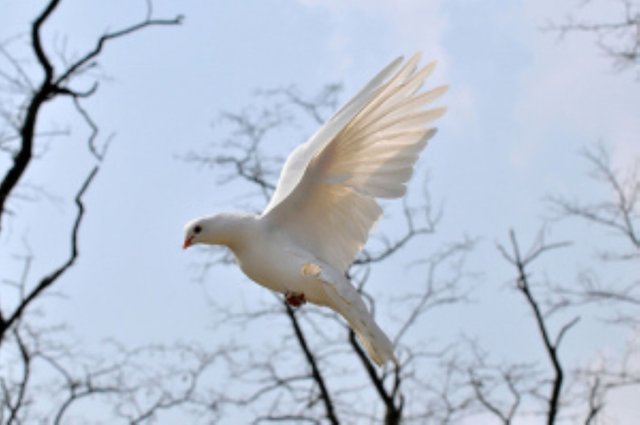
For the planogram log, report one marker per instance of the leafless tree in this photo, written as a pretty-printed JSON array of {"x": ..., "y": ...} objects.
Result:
[
  {"x": 615, "y": 213},
  {"x": 50, "y": 380},
  {"x": 20, "y": 132},
  {"x": 550, "y": 342},
  {"x": 43, "y": 377},
  {"x": 619, "y": 216},
  {"x": 555, "y": 389},
  {"x": 310, "y": 368},
  {"x": 298, "y": 375},
  {"x": 618, "y": 38}
]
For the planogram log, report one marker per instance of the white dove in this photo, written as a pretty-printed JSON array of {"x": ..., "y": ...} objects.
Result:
[{"x": 324, "y": 205}]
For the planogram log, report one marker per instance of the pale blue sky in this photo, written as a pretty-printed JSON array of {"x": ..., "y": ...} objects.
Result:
[{"x": 521, "y": 105}]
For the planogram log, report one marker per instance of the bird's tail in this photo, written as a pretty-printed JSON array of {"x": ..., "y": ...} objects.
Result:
[
  {"x": 344, "y": 299},
  {"x": 373, "y": 339}
]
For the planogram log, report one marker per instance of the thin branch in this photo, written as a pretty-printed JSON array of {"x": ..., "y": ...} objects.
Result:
[
  {"x": 437, "y": 291},
  {"x": 14, "y": 409},
  {"x": 99, "y": 155},
  {"x": 393, "y": 413},
  {"x": 286, "y": 418},
  {"x": 52, "y": 86},
  {"x": 412, "y": 231},
  {"x": 48, "y": 280},
  {"x": 515, "y": 258},
  {"x": 81, "y": 63},
  {"x": 477, "y": 386},
  {"x": 595, "y": 404},
  {"x": 618, "y": 38},
  {"x": 19, "y": 69},
  {"x": 623, "y": 213},
  {"x": 315, "y": 370},
  {"x": 564, "y": 329}
]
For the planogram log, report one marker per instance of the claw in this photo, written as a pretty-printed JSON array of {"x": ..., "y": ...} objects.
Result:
[{"x": 294, "y": 299}]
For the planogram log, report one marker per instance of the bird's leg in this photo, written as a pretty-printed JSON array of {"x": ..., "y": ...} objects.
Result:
[{"x": 294, "y": 299}]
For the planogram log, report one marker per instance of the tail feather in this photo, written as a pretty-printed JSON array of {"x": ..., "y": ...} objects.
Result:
[
  {"x": 345, "y": 300},
  {"x": 373, "y": 339}
]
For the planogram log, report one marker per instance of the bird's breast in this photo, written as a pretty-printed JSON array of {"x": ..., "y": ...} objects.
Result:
[
  {"x": 266, "y": 266},
  {"x": 281, "y": 268}
]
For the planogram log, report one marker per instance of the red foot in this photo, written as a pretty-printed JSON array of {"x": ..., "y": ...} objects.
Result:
[{"x": 294, "y": 299}]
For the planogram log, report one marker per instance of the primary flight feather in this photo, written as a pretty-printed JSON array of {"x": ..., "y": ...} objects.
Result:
[{"x": 324, "y": 205}]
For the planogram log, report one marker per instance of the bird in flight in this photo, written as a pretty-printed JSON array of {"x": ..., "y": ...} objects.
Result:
[{"x": 324, "y": 204}]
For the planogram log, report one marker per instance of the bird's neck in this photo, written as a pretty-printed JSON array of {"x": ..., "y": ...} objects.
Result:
[{"x": 229, "y": 229}]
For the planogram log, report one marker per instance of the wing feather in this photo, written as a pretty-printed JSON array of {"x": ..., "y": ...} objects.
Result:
[
  {"x": 297, "y": 162},
  {"x": 326, "y": 196}
]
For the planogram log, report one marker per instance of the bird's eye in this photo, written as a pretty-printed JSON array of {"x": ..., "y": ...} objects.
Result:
[{"x": 197, "y": 229}]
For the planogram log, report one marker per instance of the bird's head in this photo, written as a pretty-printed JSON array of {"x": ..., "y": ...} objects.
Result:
[
  {"x": 193, "y": 233},
  {"x": 219, "y": 229}
]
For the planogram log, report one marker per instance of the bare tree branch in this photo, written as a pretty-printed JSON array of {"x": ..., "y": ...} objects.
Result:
[
  {"x": 315, "y": 371},
  {"x": 21, "y": 396},
  {"x": 16, "y": 406},
  {"x": 618, "y": 39},
  {"x": 50, "y": 87},
  {"x": 622, "y": 213},
  {"x": 50, "y": 279},
  {"x": 140, "y": 383},
  {"x": 521, "y": 263},
  {"x": 595, "y": 404}
]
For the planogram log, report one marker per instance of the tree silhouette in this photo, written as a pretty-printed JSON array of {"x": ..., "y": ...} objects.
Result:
[{"x": 42, "y": 375}]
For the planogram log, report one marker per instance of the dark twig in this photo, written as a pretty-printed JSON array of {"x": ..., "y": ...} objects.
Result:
[
  {"x": 52, "y": 86},
  {"x": 15, "y": 407},
  {"x": 85, "y": 61},
  {"x": 618, "y": 38},
  {"x": 51, "y": 278},
  {"x": 595, "y": 404},
  {"x": 91, "y": 142},
  {"x": 315, "y": 370},
  {"x": 27, "y": 130},
  {"x": 619, "y": 214},
  {"x": 393, "y": 411},
  {"x": 521, "y": 263},
  {"x": 622, "y": 214}
]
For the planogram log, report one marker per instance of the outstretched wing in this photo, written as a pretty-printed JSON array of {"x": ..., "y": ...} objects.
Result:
[
  {"x": 297, "y": 162},
  {"x": 325, "y": 199}
]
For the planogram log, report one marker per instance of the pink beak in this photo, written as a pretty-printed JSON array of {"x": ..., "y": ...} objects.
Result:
[{"x": 187, "y": 242}]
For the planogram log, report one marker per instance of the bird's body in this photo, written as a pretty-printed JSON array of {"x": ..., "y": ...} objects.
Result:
[
  {"x": 324, "y": 205},
  {"x": 269, "y": 258}
]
